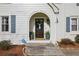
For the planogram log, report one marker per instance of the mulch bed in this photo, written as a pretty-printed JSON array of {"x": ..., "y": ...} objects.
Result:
[
  {"x": 70, "y": 50},
  {"x": 76, "y": 46},
  {"x": 16, "y": 50}
]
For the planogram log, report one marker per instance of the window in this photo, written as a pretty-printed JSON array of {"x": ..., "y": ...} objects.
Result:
[
  {"x": 77, "y": 4},
  {"x": 5, "y": 23},
  {"x": 73, "y": 24}
]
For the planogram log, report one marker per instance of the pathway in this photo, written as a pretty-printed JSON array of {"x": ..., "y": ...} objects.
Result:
[{"x": 45, "y": 50}]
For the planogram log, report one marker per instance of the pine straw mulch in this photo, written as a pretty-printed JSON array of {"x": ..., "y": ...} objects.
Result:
[
  {"x": 16, "y": 50},
  {"x": 76, "y": 46}
]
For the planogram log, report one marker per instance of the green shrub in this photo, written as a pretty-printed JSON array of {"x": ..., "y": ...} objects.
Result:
[
  {"x": 77, "y": 39},
  {"x": 5, "y": 44},
  {"x": 31, "y": 34},
  {"x": 66, "y": 41},
  {"x": 47, "y": 35}
]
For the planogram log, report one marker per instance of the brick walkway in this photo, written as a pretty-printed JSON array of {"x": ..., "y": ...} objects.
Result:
[
  {"x": 45, "y": 50},
  {"x": 70, "y": 51},
  {"x": 51, "y": 50}
]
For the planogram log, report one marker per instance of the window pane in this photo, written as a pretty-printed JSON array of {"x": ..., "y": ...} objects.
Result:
[
  {"x": 74, "y": 21},
  {"x": 6, "y": 21},
  {"x": 77, "y": 4},
  {"x": 6, "y": 28},
  {"x": 74, "y": 24},
  {"x": 74, "y": 27},
  {"x": 2, "y": 27},
  {"x": 2, "y": 20}
]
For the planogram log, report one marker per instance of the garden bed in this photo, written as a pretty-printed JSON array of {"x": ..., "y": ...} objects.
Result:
[
  {"x": 76, "y": 46},
  {"x": 15, "y": 50}
]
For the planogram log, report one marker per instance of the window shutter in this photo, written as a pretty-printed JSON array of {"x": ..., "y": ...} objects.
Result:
[
  {"x": 67, "y": 24},
  {"x": 13, "y": 23},
  {"x": 78, "y": 24}
]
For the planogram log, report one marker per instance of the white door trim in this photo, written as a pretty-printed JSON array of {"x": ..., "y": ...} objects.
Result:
[{"x": 34, "y": 22}]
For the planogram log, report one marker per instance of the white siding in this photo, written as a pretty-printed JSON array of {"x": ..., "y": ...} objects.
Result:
[
  {"x": 66, "y": 10},
  {"x": 23, "y": 14}
]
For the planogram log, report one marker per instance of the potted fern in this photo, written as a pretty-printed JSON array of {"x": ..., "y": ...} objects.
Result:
[
  {"x": 31, "y": 35},
  {"x": 47, "y": 35}
]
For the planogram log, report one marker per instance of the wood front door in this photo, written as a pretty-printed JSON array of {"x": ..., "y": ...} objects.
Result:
[{"x": 39, "y": 28}]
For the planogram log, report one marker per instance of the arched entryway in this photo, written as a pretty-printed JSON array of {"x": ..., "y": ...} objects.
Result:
[{"x": 39, "y": 27}]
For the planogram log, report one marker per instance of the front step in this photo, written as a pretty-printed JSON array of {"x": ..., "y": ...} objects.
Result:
[
  {"x": 40, "y": 44},
  {"x": 53, "y": 51},
  {"x": 44, "y": 50}
]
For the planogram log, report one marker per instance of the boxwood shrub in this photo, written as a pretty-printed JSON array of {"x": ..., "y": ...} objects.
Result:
[
  {"x": 77, "y": 39},
  {"x": 5, "y": 44},
  {"x": 66, "y": 41}
]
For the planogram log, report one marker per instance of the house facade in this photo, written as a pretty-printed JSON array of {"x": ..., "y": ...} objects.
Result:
[{"x": 38, "y": 23}]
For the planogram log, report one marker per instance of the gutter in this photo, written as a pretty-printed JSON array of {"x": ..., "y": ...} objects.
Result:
[{"x": 53, "y": 8}]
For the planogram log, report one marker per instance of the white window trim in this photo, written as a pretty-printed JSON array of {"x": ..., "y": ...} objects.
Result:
[
  {"x": 74, "y": 32},
  {"x": 9, "y": 20},
  {"x": 5, "y": 24}
]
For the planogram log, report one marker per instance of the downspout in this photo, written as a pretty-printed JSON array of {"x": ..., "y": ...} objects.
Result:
[
  {"x": 56, "y": 13},
  {"x": 51, "y": 7},
  {"x": 55, "y": 6}
]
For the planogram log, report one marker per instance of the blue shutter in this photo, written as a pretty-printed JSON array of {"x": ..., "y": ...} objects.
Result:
[
  {"x": 67, "y": 24},
  {"x": 13, "y": 23},
  {"x": 78, "y": 24}
]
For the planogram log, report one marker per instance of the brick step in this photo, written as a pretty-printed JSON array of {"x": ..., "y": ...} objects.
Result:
[{"x": 47, "y": 51}]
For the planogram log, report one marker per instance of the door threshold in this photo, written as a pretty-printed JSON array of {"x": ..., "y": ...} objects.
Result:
[
  {"x": 39, "y": 41},
  {"x": 39, "y": 38}
]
